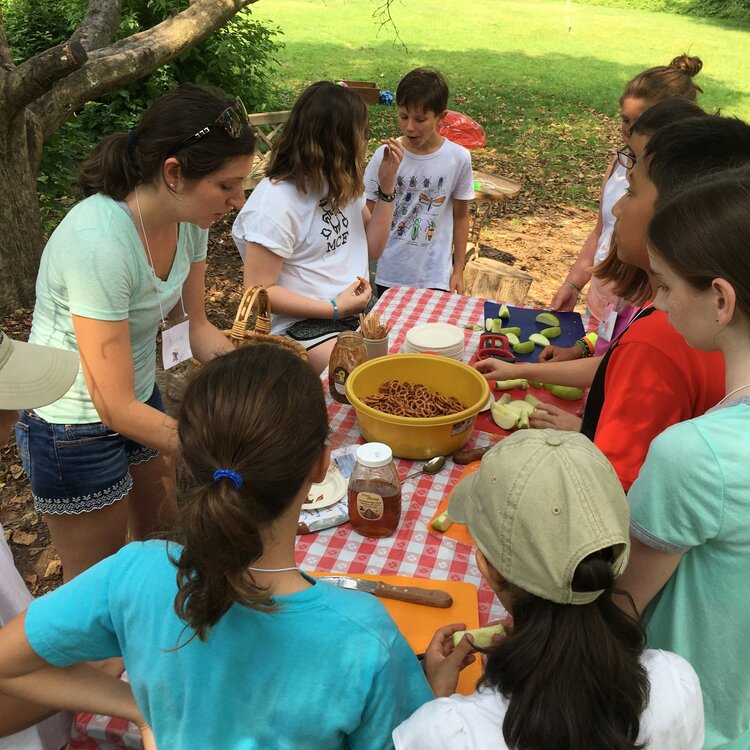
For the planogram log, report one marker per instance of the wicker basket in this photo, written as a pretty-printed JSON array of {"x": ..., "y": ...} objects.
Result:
[{"x": 252, "y": 324}]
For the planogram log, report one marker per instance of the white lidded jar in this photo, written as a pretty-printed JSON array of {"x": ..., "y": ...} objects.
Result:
[{"x": 374, "y": 491}]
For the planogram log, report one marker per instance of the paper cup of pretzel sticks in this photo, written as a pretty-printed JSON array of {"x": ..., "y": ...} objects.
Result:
[
  {"x": 375, "y": 334},
  {"x": 376, "y": 347}
]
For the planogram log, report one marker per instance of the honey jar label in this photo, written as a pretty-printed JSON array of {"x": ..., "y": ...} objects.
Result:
[
  {"x": 339, "y": 380},
  {"x": 369, "y": 505}
]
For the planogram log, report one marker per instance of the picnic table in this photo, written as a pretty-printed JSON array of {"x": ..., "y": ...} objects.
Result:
[{"x": 413, "y": 550}]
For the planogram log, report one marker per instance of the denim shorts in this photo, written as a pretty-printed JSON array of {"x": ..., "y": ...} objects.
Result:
[{"x": 76, "y": 468}]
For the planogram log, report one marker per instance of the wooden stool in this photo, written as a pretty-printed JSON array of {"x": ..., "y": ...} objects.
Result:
[{"x": 491, "y": 279}]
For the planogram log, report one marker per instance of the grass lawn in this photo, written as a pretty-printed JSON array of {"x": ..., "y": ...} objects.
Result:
[{"x": 543, "y": 77}]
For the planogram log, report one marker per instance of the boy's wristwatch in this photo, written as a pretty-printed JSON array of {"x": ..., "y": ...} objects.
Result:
[{"x": 385, "y": 197}]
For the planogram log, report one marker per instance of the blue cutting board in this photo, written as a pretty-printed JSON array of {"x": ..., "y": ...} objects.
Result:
[{"x": 571, "y": 326}]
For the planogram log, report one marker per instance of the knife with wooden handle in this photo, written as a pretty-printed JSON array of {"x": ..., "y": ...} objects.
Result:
[{"x": 411, "y": 594}]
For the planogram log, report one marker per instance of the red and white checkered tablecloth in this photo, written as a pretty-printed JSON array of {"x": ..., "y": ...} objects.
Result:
[{"x": 413, "y": 550}]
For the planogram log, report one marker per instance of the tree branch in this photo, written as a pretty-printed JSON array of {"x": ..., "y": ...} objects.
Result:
[
  {"x": 99, "y": 25},
  {"x": 133, "y": 58},
  {"x": 382, "y": 15},
  {"x": 6, "y": 59},
  {"x": 34, "y": 77}
]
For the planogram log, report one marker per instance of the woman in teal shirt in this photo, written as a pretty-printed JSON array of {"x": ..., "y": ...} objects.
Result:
[{"x": 126, "y": 261}]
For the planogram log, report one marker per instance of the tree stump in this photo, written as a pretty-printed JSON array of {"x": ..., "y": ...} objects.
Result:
[{"x": 491, "y": 279}]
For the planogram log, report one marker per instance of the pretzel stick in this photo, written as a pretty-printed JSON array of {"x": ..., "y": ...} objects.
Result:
[{"x": 372, "y": 327}]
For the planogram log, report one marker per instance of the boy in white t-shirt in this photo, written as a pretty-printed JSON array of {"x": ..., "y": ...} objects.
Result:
[{"x": 434, "y": 185}]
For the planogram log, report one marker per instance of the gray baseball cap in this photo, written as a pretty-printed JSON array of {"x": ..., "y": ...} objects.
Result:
[{"x": 542, "y": 501}]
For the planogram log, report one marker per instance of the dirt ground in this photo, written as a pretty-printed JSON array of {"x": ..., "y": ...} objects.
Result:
[{"x": 544, "y": 244}]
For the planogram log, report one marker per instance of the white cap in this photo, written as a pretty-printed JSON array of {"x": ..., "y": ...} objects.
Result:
[
  {"x": 32, "y": 375},
  {"x": 373, "y": 455}
]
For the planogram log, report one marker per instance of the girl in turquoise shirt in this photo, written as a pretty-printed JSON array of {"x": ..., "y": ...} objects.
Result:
[
  {"x": 688, "y": 569},
  {"x": 226, "y": 643}
]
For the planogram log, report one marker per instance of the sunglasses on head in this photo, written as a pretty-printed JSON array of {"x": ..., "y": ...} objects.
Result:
[
  {"x": 233, "y": 120},
  {"x": 626, "y": 157}
]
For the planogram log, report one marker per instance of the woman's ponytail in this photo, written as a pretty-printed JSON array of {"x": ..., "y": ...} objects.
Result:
[
  {"x": 122, "y": 161},
  {"x": 112, "y": 168}
]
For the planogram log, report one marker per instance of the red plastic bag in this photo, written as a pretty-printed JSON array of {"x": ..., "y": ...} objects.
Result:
[{"x": 461, "y": 129}]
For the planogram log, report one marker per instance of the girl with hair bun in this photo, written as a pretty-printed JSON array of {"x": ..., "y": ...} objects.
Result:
[
  {"x": 689, "y": 505},
  {"x": 306, "y": 233},
  {"x": 226, "y": 642},
  {"x": 126, "y": 261},
  {"x": 673, "y": 81}
]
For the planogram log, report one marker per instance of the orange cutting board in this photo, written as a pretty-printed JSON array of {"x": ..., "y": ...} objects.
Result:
[
  {"x": 418, "y": 623},
  {"x": 457, "y": 531}
]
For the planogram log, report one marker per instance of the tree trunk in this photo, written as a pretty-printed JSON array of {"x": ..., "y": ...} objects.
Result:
[
  {"x": 22, "y": 237},
  {"x": 38, "y": 95}
]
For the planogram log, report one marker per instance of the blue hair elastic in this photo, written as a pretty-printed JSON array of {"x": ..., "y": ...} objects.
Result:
[{"x": 228, "y": 474}]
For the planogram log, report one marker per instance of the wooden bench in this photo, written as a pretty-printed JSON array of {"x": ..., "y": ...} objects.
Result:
[{"x": 267, "y": 127}]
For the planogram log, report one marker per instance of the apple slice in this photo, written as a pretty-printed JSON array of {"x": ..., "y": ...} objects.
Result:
[
  {"x": 482, "y": 636},
  {"x": 503, "y": 417},
  {"x": 538, "y": 339},
  {"x": 551, "y": 333},
  {"x": 565, "y": 392},
  {"x": 442, "y": 522},
  {"x": 547, "y": 319},
  {"x": 533, "y": 400},
  {"x": 523, "y": 347},
  {"x": 509, "y": 385},
  {"x": 504, "y": 312}
]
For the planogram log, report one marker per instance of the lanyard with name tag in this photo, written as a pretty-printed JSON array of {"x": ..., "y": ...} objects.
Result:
[{"x": 175, "y": 342}]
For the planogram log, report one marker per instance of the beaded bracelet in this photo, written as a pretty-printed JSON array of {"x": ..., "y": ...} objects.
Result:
[
  {"x": 573, "y": 286},
  {"x": 584, "y": 344},
  {"x": 335, "y": 310}
]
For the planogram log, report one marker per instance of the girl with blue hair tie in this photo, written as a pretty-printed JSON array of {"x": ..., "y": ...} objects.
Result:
[{"x": 227, "y": 644}]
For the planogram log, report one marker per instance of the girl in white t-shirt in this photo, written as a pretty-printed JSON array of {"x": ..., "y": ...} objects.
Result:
[
  {"x": 305, "y": 232},
  {"x": 550, "y": 522}
]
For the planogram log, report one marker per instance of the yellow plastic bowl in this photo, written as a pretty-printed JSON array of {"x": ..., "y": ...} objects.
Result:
[{"x": 418, "y": 437}]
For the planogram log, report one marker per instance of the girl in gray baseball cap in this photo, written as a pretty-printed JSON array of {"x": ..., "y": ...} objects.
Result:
[{"x": 550, "y": 521}]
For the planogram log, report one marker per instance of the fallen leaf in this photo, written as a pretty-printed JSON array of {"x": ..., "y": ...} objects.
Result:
[
  {"x": 16, "y": 470},
  {"x": 24, "y": 538},
  {"x": 54, "y": 567}
]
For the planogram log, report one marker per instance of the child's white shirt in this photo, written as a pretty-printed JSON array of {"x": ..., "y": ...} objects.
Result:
[
  {"x": 419, "y": 252},
  {"x": 15, "y": 598},
  {"x": 323, "y": 250},
  {"x": 673, "y": 719}
]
